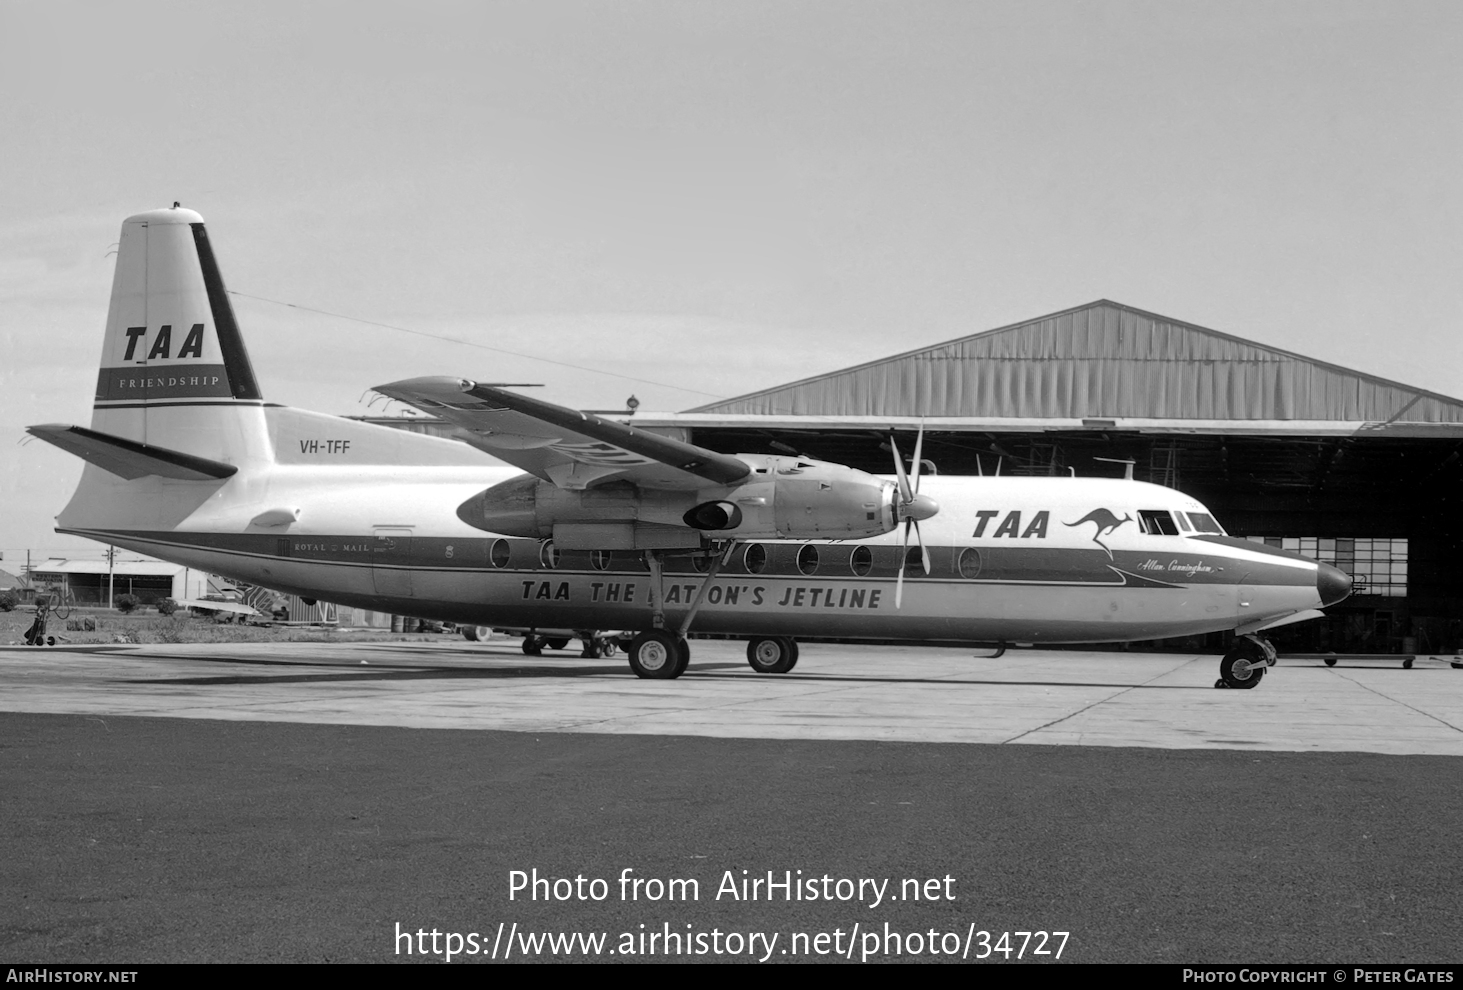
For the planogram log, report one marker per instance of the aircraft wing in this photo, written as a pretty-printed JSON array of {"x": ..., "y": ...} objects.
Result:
[{"x": 566, "y": 447}]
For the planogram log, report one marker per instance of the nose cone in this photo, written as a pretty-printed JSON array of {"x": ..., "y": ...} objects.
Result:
[
  {"x": 919, "y": 507},
  {"x": 1332, "y": 585}
]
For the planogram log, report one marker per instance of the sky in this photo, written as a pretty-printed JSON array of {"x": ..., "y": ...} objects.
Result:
[{"x": 689, "y": 201}]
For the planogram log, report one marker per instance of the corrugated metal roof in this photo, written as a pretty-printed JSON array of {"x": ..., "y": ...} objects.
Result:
[
  {"x": 1101, "y": 361},
  {"x": 134, "y": 568}
]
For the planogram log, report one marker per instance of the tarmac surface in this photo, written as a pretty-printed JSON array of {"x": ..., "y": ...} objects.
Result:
[{"x": 299, "y": 802}]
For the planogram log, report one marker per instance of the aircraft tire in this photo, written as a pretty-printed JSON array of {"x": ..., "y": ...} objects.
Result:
[
  {"x": 1456, "y": 666},
  {"x": 656, "y": 655},
  {"x": 683, "y": 652},
  {"x": 771, "y": 654},
  {"x": 1239, "y": 671},
  {"x": 1330, "y": 661},
  {"x": 556, "y": 644},
  {"x": 1407, "y": 664},
  {"x": 532, "y": 646}
]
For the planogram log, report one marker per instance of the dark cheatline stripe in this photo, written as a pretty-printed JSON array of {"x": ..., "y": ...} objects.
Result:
[
  {"x": 1087, "y": 568},
  {"x": 230, "y": 342},
  {"x": 166, "y": 381}
]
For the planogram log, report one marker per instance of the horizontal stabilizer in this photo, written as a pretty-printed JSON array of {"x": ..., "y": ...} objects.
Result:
[{"x": 128, "y": 458}]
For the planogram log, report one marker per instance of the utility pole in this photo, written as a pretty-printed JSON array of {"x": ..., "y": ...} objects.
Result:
[{"x": 111, "y": 560}]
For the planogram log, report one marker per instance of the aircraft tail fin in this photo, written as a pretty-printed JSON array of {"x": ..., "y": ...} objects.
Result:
[{"x": 174, "y": 372}]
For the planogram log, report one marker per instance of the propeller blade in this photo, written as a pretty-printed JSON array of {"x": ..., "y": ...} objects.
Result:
[
  {"x": 919, "y": 445},
  {"x": 903, "y": 559},
  {"x": 904, "y": 491},
  {"x": 924, "y": 551}
]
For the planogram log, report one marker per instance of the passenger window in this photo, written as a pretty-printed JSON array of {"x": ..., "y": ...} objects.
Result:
[
  {"x": 755, "y": 558},
  {"x": 970, "y": 563},
  {"x": 861, "y": 561},
  {"x": 914, "y": 561},
  {"x": 808, "y": 559},
  {"x": 1157, "y": 522}
]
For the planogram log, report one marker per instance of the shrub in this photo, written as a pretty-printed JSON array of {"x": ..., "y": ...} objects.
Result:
[
  {"x": 8, "y": 601},
  {"x": 126, "y": 603},
  {"x": 167, "y": 606}
]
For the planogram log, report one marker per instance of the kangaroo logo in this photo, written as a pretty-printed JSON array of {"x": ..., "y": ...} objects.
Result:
[{"x": 1105, "y": 521}]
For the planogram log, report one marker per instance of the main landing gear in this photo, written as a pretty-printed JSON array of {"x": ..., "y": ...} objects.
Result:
[
  {"x": 772, "y": 654},
  {"x": 660, "y": 653},
  {"x": 1244, "y": 665}
]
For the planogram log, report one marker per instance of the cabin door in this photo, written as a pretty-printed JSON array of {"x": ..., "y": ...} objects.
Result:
[{"x": 390, "y": 559}]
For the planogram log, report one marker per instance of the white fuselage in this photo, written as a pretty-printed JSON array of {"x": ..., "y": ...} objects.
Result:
[{"x": 1011, "y": 558}]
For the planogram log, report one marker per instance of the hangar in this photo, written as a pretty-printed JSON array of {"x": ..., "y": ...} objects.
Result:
[{"x": 1338, "y": 464}]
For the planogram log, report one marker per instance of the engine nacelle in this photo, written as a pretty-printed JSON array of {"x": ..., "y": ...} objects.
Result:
[
  {"x": 800, "y": 498},
  {"x": 785, "y": 498}
]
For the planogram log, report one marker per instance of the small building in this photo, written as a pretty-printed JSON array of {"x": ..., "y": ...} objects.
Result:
[{"x": 95, "y": 582}]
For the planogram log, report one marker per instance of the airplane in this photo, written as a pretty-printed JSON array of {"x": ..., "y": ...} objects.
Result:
[{"x": 596, "y": 524}]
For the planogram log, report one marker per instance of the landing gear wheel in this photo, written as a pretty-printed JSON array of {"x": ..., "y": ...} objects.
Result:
[
  {"x": 1330, "y": 661},
  {"x": 683, "y": 653},
  {"x": 556, "y": 644},
  {"x": 771, "y": 654},
  {"x": 1456, "y": 665},
  {"x": 656, "y": 654},
  {"x": 533, "y": 646},
  {"x": 1220, "y": 684},
  {"x": 1240, "y": 671},
  {"x": 606, "y": 647},
  {"x": 591, "y": 650},
  {"x": 1407, "y": 664}
]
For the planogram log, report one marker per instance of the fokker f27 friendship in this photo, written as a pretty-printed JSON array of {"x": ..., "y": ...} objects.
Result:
[{"x": 599, "y": 525}]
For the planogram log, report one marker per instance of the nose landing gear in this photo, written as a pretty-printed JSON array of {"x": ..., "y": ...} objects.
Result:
[{"x": 1244, "y": 665}]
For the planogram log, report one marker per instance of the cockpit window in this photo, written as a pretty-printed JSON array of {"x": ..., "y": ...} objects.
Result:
[
  {"x": 1183, "y": 522},
  {"x": 1204, "y": 523},
  {"x": 1157, "y": 522}
]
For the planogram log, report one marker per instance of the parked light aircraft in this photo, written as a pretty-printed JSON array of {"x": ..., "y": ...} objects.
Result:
[{"x": 599, "y": 525}]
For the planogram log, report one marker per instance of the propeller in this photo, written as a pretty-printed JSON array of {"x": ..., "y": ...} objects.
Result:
[{"x": 912, "y": 508}]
